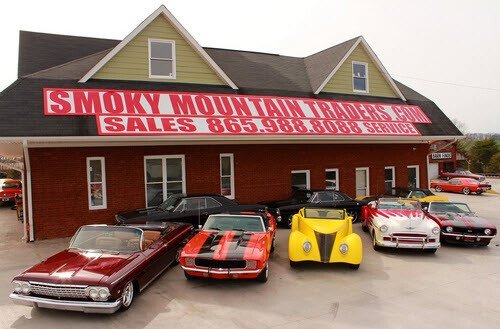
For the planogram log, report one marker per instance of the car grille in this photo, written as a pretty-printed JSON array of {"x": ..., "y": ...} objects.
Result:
[
  {"x": 58, "y": 290},
  {"x": 220, "y": 263},
  {"x": 465, "y": 230},
  {"x": 409, "y": 238},
  {"x": 325, "y": 245}
]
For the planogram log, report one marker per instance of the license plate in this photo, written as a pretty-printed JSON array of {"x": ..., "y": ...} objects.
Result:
[{"x": 469, "y": 239}]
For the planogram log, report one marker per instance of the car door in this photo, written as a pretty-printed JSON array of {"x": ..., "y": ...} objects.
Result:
[
  {"x": 454, "y": 185},
  {"x": 157, "y": 257}
]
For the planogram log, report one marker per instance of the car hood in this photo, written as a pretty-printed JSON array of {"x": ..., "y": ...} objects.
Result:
[
  {"x": 462, "y": 220},
  {"x": 324, "y": 226},
  {"x": 77, "y": 267},
  {"x": 408, "y": 219},
  {"x": 226, "y": 245}
]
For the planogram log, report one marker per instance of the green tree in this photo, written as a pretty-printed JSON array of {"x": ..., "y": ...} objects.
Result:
[
  {"x": 480, "y": 154},
  {"x": 494, "y": 165}
]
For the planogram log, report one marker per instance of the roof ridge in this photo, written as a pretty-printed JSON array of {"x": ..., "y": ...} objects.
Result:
[
  {"x": 68, "y": 35},
  {"x": 338, "y": 44}
]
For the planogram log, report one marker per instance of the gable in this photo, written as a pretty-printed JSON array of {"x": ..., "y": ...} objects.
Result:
[
  {"x": 341, "y": 81},
  {"x": 132, "y": 61}
]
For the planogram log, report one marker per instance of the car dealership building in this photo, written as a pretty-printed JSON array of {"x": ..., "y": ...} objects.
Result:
[{"x": 109, "y": 125}]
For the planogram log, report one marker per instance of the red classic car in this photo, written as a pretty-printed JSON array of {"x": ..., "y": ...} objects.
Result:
[
  {"x": 9, "y": 188},
  {"x": 461, "y": 185},
  {"x": 460, "y": 225},
  {"x": 103, "y": 269},
  {"x": 461, "y": 173},
  {"x": 231, "y": 246}
]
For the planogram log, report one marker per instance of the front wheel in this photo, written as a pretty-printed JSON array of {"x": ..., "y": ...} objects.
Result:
[
  {"x": 431, "y": 251},
  {"x": 354, "y": 266},
  {"x": 374, "y": 242},
  {"x": 363, "y": 227},
  {"x": 273, "y": 244},
  {"x": 127, "y": 296},
  {"x": 466, "y": 191},
  {"x": 293, "y": 264},
  {"x": 188, "y": 276},
  {"x": 264, "y": 274},
  {"x": 438, "y": 188}
]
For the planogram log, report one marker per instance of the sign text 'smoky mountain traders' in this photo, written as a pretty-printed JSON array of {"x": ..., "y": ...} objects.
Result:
[{"x": 124, "y": 112}]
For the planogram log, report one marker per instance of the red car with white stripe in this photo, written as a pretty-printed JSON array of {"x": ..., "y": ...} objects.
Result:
[
  {"x": 231, "y": 246},
  {"x": 459, "y": 224}
]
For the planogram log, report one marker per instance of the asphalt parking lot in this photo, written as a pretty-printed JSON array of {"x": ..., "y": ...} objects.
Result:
[{"x": 456, "y": 287}]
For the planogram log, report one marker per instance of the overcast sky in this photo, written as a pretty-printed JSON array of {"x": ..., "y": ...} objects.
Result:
[{"x": 448, "y": 50}]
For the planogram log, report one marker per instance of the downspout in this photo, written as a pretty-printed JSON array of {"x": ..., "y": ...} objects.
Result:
[
  {"x": 23, "y": 191},
  {"x": 30, "y": 194}
]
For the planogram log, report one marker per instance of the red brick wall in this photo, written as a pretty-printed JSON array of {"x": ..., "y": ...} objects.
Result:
[{"x": 262, "y": 172}]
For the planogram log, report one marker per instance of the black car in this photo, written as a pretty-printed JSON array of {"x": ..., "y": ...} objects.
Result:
[
  {"x": 306, "y": 198},
  {"x": 192, "y": 208}
]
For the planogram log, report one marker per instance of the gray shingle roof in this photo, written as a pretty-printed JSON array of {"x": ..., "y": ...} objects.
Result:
[{"x": 48, "y": 60}]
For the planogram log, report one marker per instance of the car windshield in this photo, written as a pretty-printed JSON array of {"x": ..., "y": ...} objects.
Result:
[
  {"x": 171, "y": 202},
  {"x": 107, "y": 239},
  {"x": 326, "y": 196},
  {"x": 454, "y": 207},
  {"x": 399, "y": 204},
  {"x": 323, "y": 213},
  {"x": 247, "y": 223},
  {"x": 6, "y": 185}
]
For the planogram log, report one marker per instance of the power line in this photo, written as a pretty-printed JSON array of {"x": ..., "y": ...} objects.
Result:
[{"x": 447, "y": 83}]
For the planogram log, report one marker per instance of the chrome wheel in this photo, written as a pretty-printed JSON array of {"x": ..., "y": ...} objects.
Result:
[
  {"x": 466, "y": 190},
  {"x": 354, "y": 215},
  {"x": 438, "y": 188},
  {"x": 264, "y": 275},
  {"x": 127, "y": 295}
]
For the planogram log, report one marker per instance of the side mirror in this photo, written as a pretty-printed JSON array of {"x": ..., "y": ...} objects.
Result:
[
  {"x": 270, "y": 229},
  {"x": 199, "y": 227},
  {"x": 425, "y": 208}
]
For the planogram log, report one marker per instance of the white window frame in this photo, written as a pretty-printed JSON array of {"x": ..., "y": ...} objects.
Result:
[
  {"x": 337, "y": 183},
  {"x": 231, "y": 157},
  {"x": 417, "y": 176},
  {"x": 308, "y": 176},
  {"x": 174, "y": 68},
  {"x": 164, "y": 173},
  {"x": 366, "y": 77},
  {"x": 393, "y": 180},
  {"x": 367, "y": 169},
  {"x": 103, "y": 182}
]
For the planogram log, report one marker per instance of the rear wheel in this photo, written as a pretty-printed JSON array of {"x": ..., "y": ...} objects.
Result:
[
  {"x": 466, "y": 191},
  {"x": 264, "y": 274},
  {"x": 438, "y": 188},
  {"x": 354, "y": 214},
  {"x": 127, "y": 296}
]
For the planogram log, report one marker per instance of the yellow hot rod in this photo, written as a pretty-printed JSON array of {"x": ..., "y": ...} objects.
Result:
[{"x": 324, "y": 235}]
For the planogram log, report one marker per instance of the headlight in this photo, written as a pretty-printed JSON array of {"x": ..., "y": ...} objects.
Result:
[
  {"x": 487, "y": 231},
  {"x": 189, "y": 261},
  {"x": 344, "y": 248},
  {"x": 98, "y": 293},
  {"x": 278, "y": 211},
  {"x": 435, "y": 230},
  {"x": 449, "y": 229},
  {"x": 383, "y": 228},
  {"x": 251, "y": 264},
  {"x": 21, "y": 287},
  {"x": 307, "y": 246}
]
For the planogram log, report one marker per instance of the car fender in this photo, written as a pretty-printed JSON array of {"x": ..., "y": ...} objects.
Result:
[
  {"x": 296, "y": 251},
  {"x": 354, "y": 254}
]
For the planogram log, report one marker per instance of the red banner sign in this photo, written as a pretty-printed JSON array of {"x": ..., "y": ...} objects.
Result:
[{"x": 124, "y": 112}]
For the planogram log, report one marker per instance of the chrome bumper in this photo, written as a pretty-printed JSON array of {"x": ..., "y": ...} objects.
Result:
[
  {"x": 419, "y": 243},
  {"x": 227, "y": 271},
  {"x": 465, "y": 235},
  {"x": 68, "y": 305}
]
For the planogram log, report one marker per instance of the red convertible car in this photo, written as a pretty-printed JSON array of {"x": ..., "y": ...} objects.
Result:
[
  {"x": 459, "y": 224},
  {"x": 103, "y": 269},
  {"x": 231, "y": 246},
  {"x": 461, "y": 185},
  {"x": 9, "y": 188}
]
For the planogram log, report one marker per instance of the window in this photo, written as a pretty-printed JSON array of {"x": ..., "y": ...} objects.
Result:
[
  {"x": 161, "y": 59},
  {"x": 332, "y": 179},
  {"x": 227, "y": 175},
  {"x": 164, "y": 176},
  {"x": 362, "y": 181},
  {"x": 191, "y": 204},
  {"x": 413, "y": 177},
  {"x": 300, "y": 179},
  {"x": 326, "y": 196},
  {"x": 96, "y": 183},
  {"x": 389, "y": 180},
  {"x": 360, "y": 77}
]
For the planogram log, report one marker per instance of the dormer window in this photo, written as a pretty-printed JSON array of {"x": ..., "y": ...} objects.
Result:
[
  {"x": 360, "y": 77},
  {"x": 161, "y": 59}
]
